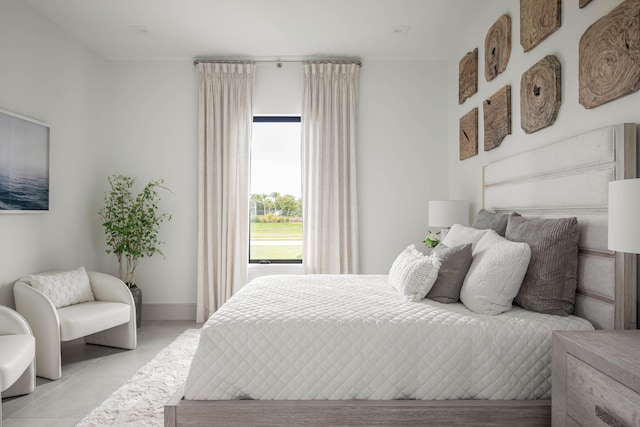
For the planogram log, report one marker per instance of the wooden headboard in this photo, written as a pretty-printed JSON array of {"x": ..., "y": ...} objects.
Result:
[{"x": 571, "y": 178}]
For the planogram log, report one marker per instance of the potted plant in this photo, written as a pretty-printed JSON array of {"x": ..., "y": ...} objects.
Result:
[
  {"x": 131, "y": 224},
  {"x": 432, "y": 240}
]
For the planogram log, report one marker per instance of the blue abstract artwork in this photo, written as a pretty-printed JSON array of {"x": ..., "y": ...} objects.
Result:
[{"x": 24, "y": 164}]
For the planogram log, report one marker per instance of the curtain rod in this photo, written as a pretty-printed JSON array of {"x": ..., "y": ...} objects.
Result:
[{"x": 278, "y": 61}]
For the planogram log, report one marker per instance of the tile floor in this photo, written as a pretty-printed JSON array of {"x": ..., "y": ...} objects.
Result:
[{"x": 90, "y": 374}]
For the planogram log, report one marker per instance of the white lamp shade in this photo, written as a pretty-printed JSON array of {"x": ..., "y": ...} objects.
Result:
[
  {"x": 624, "y": 215},
  {"x": 445, "y": 213}
]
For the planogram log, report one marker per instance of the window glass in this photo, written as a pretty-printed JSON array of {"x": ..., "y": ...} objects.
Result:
[{"x": 275, "y": 204}]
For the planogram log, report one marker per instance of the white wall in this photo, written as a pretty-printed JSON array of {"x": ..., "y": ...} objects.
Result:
[
  {"x": 401, "y": 155},
  {"x": 48, "y": 76},
  {"x": 465, "y": 176},
  {"x": 278, "y": 90},
  {"x": 153, "y": 135}
]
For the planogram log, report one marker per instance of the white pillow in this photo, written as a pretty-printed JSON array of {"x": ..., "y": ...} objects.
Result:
[
  {"x": 461, "y": 235},
  {"x": 63, "y": 289},
  {"x": 413, "y": 274},
  {"x": 495, "y": 275}
]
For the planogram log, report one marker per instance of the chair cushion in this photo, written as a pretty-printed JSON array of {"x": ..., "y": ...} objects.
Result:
[
  {"x": 16, "y": 354},
  {"x": 80, "y": 320},
  {"x": 65, "y": 288}
]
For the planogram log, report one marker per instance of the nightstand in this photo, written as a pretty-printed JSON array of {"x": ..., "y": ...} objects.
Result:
[{"x": 596, "y": 378}]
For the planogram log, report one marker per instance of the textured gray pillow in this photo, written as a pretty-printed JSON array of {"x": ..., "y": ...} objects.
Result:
[
  {"x": 455, "y": 264},
  {"x": 549, "y": 286},
  {"x": 492, "y": 220}
]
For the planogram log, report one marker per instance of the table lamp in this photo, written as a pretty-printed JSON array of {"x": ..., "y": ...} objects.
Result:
[
  {"x": 624, "y": 218},
  {"x": 444, "y": 213}
]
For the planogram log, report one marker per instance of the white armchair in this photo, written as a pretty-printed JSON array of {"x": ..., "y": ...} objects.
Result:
[
  {"x": 17, "y": 355},
  {"x": 110, "y": 320}
]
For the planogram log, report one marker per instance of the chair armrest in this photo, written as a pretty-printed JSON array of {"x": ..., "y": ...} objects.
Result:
[
  {"x": 12, "y": 323},
  {"x": 43, "y": 319},
  {"x": 37, "y": 309},
  {"x": 109, "y": 288}
]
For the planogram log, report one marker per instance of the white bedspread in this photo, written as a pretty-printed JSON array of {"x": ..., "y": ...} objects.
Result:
[{"x": 354, "y": 337}]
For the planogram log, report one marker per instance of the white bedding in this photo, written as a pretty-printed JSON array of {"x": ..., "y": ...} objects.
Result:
[{"x": 355, "y": 337}]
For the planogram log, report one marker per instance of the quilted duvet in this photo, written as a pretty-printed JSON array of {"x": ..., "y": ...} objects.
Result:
[{"x": 354, "y": 337}]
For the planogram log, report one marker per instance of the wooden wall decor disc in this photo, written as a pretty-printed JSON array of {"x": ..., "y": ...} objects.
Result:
[
  {"x": 469, "y": 134},
  {"x": 468, "y": 76},
  {"x": 583, "y": 3},
  {"x": 540, "y": 94},
  {"x": 609, "y": 63},
  {"x": 497, "y": 118},
  {"x": 497, "y": 47},
  {"x": 538, "y": 20}
]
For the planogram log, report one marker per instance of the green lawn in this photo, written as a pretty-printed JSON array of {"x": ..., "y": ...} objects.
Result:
[
  {"x": 276, "y": 231},
  {"x": 276, "y": 252}
]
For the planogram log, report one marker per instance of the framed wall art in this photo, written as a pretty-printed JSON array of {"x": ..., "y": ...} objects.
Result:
[
  {"x": 497, "y": 118},
  {"x": 468, "y": 76},
  {"x": 469, "y": 134},
  {"x": 497, "y": 48},
  {"x": 540, "y": 94},
  {"x": 24, "y": 164},
  {"x": 538, "y": 20},
  {"x": 609, "y": 63}
]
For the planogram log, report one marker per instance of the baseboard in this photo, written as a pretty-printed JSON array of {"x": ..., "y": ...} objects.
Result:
[{"x": 169, "y": 311}]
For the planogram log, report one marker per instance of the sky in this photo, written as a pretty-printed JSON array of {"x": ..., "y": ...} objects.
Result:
[
  {"x": 275, "y": 158},
  {"x": 24, "y": 146}
]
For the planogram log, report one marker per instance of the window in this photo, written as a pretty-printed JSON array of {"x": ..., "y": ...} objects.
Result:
[{"x": 275, "y": 234}]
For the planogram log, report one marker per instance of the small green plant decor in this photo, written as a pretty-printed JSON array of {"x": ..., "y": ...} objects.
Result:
[
  {"x": 433, "y": 239},
  {"x": 132, "y": 223}
]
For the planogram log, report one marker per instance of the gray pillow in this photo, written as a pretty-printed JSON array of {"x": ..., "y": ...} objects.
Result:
[
  {"x": 492, "y": 220},
  {"x": 549, "y": 286},
  {"x": 455, "y": 264}
]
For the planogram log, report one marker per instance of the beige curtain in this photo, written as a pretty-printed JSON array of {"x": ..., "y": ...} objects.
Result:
[
  {"x": 330, "y": 103},
  {"x": 225, "y": 114}
]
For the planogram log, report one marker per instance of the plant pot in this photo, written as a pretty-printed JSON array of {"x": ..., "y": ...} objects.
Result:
[{"x": 137, "y": 298}]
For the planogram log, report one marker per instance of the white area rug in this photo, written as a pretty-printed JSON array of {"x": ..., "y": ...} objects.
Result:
[{"x": 140, "y": 401}]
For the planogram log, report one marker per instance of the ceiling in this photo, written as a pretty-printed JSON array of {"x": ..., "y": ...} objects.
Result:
[{"x": 269, "y": 29}]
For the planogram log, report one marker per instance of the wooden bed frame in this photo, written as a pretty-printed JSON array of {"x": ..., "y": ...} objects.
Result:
[{"x": 566, "y": 178}]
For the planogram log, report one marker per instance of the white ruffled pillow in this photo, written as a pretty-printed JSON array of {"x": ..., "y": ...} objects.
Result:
[
  {"x": 413, "y": 274},
  {"x": 63, "y": 289},
  {"x": 495, "y": 275},
  {"x": 461, "y": 235}
]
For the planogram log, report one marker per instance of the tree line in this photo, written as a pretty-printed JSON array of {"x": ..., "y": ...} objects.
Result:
[{"x": 276, "y": 203}]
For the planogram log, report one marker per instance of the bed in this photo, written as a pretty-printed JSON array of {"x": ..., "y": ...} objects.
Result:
[{"x": 566, "y": 178}]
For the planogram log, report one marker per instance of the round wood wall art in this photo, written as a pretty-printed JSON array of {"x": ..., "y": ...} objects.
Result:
[
  {"x": 540, "y": 95},
  {"x": 468, "y": 76},
  {"x": 469, "y": 134},
  {"x": 497, "y": 47},
  {"x": 497, "y": 118},
  {"x": 538, "y": 20},
  {"x": 609, "y": 64}
]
